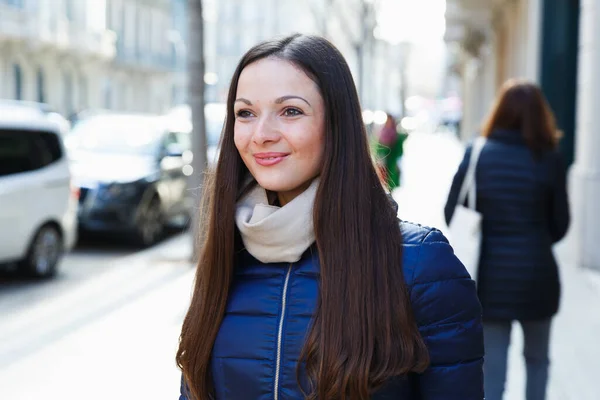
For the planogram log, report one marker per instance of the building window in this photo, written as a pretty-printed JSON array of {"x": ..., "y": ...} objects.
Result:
[
  {"x": 18, "y": 75},
  {"x": 69, "y": 10},
  {"x": 83, "y": 92},
  {"x": 26, "y": 153},
  {"x": 41, "y": 93},
  {"x": 15, "y": 3},
  {"x": 107, "y": 91},
  {"x": 137, "y": 31},
  {"x": 148, "y": 29},
  {"x": 110, "y": 21},
  {"x": 129, "y": 27},
  {"x": 68, "y": 96}
]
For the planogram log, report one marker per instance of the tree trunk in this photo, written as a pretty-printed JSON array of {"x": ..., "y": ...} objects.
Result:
[{"x": 195, "y": 70}]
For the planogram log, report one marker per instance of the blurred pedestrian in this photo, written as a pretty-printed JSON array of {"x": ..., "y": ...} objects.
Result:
[
  {"x": 308, "y": 286},
  {"x": 389, "y": 148},
  {"x": 521, "y": 194}
]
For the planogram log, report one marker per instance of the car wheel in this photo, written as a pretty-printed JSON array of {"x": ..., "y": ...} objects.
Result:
[
  {"x": 150, "y": 224},
  {"x": 44, "y": 253}
]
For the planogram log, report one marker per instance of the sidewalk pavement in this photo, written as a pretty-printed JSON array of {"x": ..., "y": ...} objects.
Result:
[
  {"x": 113, "y": 337},
  {"x": 428, "y": 165}
]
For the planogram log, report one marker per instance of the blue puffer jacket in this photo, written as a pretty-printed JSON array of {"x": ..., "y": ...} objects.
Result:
[{"x": 270, "y": 307}]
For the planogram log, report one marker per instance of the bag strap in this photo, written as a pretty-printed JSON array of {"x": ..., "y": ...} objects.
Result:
[{"x": 469, "y": 186}]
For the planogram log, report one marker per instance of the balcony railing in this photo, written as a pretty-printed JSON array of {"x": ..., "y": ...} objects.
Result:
[
  {"x": 137, "y": 58},
  {"x": 17, "y": 24},
  {"x": 13, "y": 22}
]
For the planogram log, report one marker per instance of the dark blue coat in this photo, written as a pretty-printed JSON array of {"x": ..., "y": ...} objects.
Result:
[
  {"x": 271, "y": 305},
  {"x": 525, "y": 210}
]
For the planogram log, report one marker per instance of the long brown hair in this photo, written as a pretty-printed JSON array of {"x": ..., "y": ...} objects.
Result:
[
  {"x": 521, "y": 106},
  {"x": 363, "y": 330}
]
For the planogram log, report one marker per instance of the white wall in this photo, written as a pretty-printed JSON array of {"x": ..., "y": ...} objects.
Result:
[
  {"x": 585, "y": 173},
  {"x": 534, "y": 40}
]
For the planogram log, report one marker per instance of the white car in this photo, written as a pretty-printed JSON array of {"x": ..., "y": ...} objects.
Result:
[{"x": 38, "y": 212}]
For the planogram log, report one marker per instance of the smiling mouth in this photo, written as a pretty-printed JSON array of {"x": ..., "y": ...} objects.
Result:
[{"x": 267, "y": 160}]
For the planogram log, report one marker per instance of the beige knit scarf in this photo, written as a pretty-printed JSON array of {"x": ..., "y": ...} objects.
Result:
[{"x": 276, "y": 234}]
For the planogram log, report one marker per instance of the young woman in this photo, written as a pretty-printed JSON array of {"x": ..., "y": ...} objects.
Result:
[
  {"x": 521, "y": 192},
  {"x": 308, "y": 286}
]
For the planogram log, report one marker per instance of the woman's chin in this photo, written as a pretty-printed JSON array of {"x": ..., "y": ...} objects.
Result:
[
  {"x": 279, "y": 185},
  {"x": 273, "y": 186}
]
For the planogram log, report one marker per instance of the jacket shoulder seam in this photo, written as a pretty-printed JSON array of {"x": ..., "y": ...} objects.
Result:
[
  {"x": 419, "y": 255},
  {"x": 461, "y": 362},
  {"x": 458, "y": 278},
  {"x": 445, "y": 324}
]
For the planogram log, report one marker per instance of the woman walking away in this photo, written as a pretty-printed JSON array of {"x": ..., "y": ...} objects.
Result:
[
  {"x": 521, "y": 193},
  {"x": 308, "y": 287}
]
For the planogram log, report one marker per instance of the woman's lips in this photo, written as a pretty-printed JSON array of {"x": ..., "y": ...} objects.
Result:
[{"x": 268, "y": 159}]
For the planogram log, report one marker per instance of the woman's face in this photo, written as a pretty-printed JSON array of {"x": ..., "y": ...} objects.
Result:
[{"x": 279, "y": 126}]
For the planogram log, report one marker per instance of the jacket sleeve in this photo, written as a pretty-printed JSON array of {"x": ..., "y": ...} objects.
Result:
[
  {"x": 448, "y": 314},
  {"x": 452, "y": 200},
  {"x": 559, "y": 209},
  {"x": 182, "y": 390}
]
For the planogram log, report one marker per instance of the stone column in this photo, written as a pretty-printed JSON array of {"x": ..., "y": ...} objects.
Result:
[
  {"x": 470, "y": 94},
  {"x": 489, "y": 81},
  {"x": 533, "y": 44},
  {"x": 585, "y": 174}
]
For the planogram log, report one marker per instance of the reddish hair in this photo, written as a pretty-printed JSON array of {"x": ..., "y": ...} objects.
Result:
[{"x": 521, "y": 106}]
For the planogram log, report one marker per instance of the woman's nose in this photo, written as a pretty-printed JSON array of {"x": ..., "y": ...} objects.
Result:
[{"x": 265, "y": 130}]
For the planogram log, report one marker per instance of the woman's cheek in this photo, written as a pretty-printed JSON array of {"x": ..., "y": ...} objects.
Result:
[{"x": 241, "y": 138}]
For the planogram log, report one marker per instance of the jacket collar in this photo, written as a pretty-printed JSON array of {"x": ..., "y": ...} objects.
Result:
[{"x": 511, "y": 136}]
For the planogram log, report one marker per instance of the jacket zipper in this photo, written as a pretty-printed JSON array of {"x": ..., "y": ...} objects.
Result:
[{"x": 280, "y": 332}]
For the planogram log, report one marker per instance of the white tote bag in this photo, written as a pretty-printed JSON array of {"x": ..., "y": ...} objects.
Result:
[{"x": 465, "y": 226}]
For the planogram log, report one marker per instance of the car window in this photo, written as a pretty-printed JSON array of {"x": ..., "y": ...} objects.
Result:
[
  {"x": 27, "y": 151},
  {"x": 170, "y": 139},
  {"x": 182, "y": 139},
  {"x": 169, "y": 142},
  {"x": 116, "y": 135}
]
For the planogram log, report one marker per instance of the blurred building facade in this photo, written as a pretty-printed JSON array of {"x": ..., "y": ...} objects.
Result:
[
  {"x": 142, "y": 75},
  {"x": 130, "y": 55},
  {"x": 557, "y": 45},
  {"x": 233, "y": 26},
  {"x": 79, "y": 54},
  {"x": 491, "y": 41},
  {"x": 52, "y": 51}
]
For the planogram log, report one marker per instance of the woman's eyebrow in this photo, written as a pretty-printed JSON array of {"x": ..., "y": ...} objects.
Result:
[
  {"x": 279, "y": 100},
  {"x": 284, "y": 98}
]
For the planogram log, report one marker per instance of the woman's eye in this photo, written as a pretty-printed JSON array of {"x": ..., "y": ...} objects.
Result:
[
  {"x": 292, "y": 112},
  {"x": 243, "y": 114}
]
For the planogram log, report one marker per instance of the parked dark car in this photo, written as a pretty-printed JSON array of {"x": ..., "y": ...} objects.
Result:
[{"x": 132, "y": 173}]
